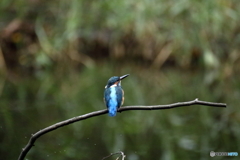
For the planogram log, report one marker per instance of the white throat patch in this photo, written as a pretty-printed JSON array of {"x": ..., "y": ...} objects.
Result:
[{"x": 115, "y": 85}]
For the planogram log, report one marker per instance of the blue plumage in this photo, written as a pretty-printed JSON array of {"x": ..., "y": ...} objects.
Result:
[
  {"x": 113, "y": 94},
  {"x": 113, "y": 99}
]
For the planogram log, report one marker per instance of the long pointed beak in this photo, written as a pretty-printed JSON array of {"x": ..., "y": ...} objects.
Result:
[{"x": 122, "y": 77}]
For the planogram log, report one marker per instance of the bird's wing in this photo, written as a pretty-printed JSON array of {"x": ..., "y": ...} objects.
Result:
[
  {"x": 120, "y": 97},
  {"x": 107, "y": 97}
]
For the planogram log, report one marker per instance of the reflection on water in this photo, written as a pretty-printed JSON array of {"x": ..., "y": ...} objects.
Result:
[{"x": 182, "y": 132}]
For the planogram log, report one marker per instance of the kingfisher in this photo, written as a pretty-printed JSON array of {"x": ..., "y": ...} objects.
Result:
[{"x": 113, "y": 94}]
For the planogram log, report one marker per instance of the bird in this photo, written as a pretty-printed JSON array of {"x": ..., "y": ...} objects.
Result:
[{"x": 114, "y": 94}]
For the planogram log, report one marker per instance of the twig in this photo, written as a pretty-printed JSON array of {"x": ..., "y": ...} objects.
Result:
[
  {"x": 101, "y": 112},
  {"x": 120, "y": 152}
]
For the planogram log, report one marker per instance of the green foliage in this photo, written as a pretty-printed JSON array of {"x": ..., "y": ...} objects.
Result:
[
  {"x": 62, "y": 27},
  {"x": 63, "y": 52}
]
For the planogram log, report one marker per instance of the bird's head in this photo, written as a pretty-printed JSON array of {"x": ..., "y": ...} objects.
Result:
[{"x": 115, "y": 81}]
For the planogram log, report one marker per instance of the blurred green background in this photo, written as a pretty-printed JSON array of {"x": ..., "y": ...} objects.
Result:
[{"x": 56, "y": 57}]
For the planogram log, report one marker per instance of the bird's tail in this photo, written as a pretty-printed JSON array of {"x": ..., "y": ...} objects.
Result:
[{"x": 112, "y": 111}]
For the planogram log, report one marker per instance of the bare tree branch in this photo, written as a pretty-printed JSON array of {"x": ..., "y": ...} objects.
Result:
[
  {"x": 120, "y": 152},
  {"x": 101, "y": 112}
]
